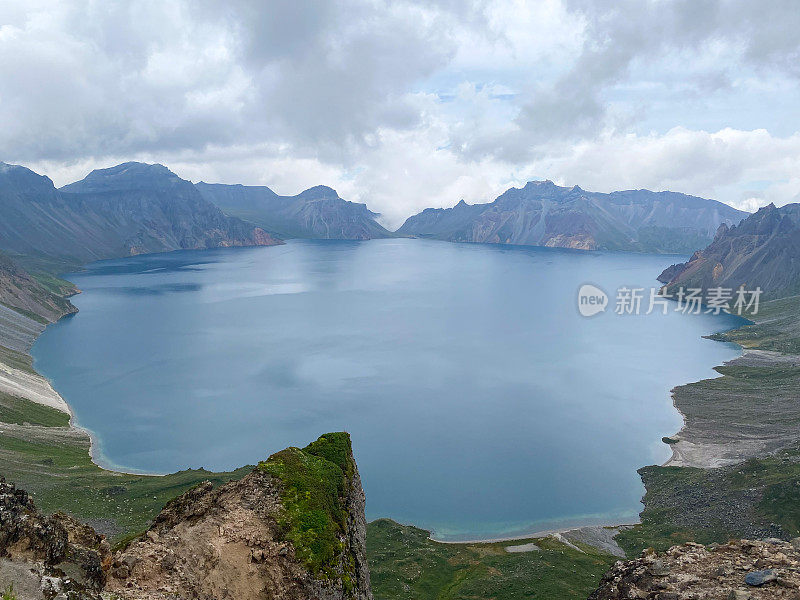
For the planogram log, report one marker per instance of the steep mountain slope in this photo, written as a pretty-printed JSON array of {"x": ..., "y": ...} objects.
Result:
[
  {"x": 132, "y": 208},
  {"x": 317, "y": 212},
  {"x": 544, "y": 214},
  {"x": 20, "y": 291},
  {"x": 763, "y": 251}
]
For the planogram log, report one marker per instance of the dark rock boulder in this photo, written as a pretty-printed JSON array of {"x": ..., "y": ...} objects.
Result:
[
  {"x": 757, "y": 578},
  {"x": 715, "y": 571}
]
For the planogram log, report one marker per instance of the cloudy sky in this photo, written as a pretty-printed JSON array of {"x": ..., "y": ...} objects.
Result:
[{"x": 404, "y": 104}]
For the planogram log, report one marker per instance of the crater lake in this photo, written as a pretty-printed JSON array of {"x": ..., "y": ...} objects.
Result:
[{"x": 480, "y": 402}]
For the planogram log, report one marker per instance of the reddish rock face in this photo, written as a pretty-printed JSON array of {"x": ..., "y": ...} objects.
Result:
[
  {"x": 763, "y": 251},
  {"x": 262, "y": 238}
]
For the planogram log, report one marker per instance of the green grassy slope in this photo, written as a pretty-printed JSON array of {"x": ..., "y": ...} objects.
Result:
[
  {"x": 406, "y": 565},
  {"x": 53, "y": 464},
  {"x": 316, "y": 480},
  {"x": 759, "y": 497}
]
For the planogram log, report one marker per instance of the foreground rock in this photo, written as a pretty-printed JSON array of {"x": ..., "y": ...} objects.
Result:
[
  {"x": 740, "y": 569},
  {"x": 47, "y": 557},
  {"x": 294, "y": 528},
  {"x": 236, "y": 541}
]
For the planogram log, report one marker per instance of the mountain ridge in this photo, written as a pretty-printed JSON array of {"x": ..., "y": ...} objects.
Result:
[
  {"x": 127, "y": 175},
  {"x": 762, "y": 251},
  {"x": 544, "y": 214},
  {"x": 128, "y": 209},
  {"x": 20, "y": 291},
  {"x": 317, "y": 212}
]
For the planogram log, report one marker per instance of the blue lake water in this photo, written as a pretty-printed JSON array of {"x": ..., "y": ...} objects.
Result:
[{"x": 479, "y": 401}]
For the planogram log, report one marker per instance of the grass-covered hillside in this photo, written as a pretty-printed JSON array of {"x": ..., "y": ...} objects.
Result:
[
  {"x": 406, "y": 565},
  {"x": 316, "y": 481},
  {"x": 749, "y": 419},
  {"x": 52, "y": 462}
]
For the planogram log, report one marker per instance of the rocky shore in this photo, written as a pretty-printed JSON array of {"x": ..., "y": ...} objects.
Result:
[{"x": 751, "y": 411}]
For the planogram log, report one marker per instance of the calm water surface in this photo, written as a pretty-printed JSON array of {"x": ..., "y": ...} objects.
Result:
[{"x": 479, "y": 401}]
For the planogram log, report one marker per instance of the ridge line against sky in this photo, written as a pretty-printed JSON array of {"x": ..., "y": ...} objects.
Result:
[{"x": 404, "y": 105}]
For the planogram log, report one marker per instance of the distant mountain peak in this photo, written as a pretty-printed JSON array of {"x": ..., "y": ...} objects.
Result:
[
  {"x": 317, "y": 212},
  {"x": 23, "y": 178},
  {"x": 319, "y": 190},
  {"x": 132, "y": 168},
  {"x": 132, "y": 208},
  {"x": 545, "y": 186},
  {"x": 128, "y": 175}
]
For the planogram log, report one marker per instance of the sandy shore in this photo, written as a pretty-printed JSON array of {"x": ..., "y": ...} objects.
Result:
[
  {"x": 597, "y": 536},
  {"x": 727, "y": 425},
  {"x": 19, "y": 333},
  {"x": 28, "y": 386}
]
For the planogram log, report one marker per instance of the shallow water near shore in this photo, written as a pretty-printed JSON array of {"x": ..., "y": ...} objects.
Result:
[{"x": 481, "y": 404}]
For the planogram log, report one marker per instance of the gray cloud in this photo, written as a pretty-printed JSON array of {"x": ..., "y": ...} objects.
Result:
[
  {"x": 409, "y": 103},
  {"x": 92, "y": 79}
]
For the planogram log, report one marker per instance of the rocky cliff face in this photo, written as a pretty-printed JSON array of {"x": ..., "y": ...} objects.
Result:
[
  {"x": 129, "y": 209},
  {"x": 294, "y": 528},
  {"x": 318, "y": 212},
  {"x": 738, "y": 570},
  {"x": 763, "y": 251},
  {"x": 544, "y": 214}
]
